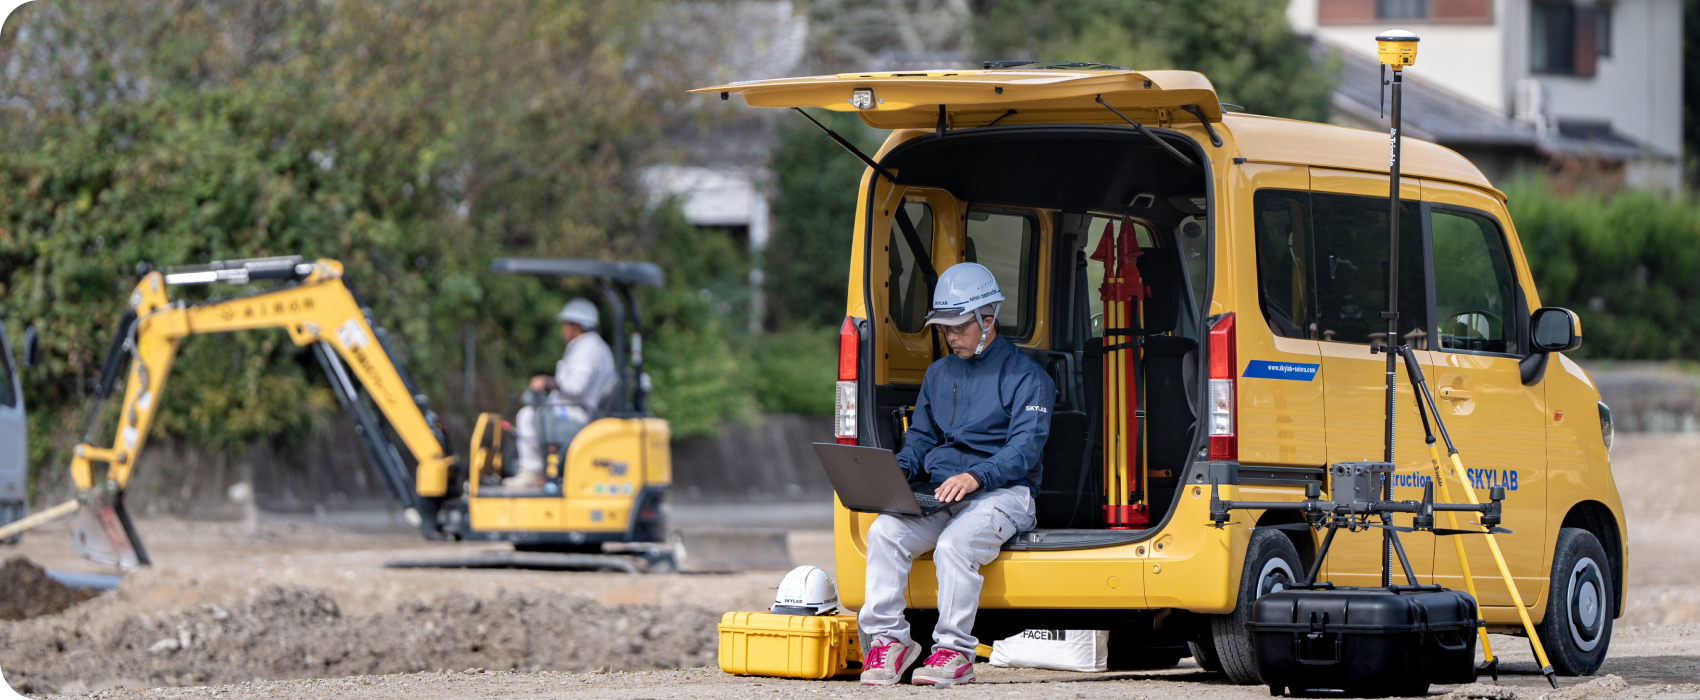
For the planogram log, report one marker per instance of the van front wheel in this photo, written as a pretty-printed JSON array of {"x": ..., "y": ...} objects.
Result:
[
  {"x": 1580, "y": 605},
  {"x": 1271, "y": 564}
]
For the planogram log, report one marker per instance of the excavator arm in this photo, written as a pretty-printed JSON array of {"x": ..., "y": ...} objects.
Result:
[{"x": 315, "y": 308}]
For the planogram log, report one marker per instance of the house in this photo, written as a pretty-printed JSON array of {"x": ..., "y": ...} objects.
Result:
[
  {"x": 1521, "y": 84},
  {"x": 719, "y": 170}
]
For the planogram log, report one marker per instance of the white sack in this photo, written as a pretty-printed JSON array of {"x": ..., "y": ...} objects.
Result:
[{"x": 1061, "y": 650}]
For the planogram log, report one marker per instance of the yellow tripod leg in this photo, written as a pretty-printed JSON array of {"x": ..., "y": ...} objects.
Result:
[
  {"x": 1505, "y": 573},
  {"x": 1112, "y": 431},
  {"x": 1118, "y": 477},
  {"x": 1458, "y": 544}
]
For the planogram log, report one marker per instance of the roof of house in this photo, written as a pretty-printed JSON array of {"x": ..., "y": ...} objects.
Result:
[{"x": 1433, "y": 113}]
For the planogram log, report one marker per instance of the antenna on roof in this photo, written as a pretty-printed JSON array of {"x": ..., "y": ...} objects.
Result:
[{"x": 1381, "y": 94}]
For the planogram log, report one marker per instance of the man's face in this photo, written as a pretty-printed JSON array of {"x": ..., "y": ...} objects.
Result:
[
  {"x": 962, "y": 338},
  {"x": 570, "y": 330}
]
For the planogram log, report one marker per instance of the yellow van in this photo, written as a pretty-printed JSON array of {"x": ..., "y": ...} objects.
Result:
[{"x": 1261, "y": 252}]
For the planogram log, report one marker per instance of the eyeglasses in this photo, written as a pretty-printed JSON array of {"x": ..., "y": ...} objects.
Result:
[{"x": 963, "y": 329}]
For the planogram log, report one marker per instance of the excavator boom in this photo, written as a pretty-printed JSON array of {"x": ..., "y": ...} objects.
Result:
[{"x": 316, "y": 308}]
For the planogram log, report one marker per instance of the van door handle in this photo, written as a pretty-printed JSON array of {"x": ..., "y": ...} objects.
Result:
[{"x": 1454, "y": 394}]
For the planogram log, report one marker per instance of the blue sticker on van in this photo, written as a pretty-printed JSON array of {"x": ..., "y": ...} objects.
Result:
[{"x": 1295, "y": 371}]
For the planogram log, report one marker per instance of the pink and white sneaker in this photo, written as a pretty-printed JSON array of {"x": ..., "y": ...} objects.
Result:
[
  {"x": 945, "y": 667},
  {"x": 887, "y": 661}
]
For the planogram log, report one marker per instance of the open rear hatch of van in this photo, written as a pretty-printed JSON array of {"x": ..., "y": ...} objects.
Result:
[
  {"x": 1061, "y": 154},
  {"x": 964, "y": 99}
]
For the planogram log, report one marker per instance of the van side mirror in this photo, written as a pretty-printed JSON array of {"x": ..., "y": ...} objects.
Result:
[
  {"x": 1553, "y": 329},
  {"x": 32, "y": 347}
]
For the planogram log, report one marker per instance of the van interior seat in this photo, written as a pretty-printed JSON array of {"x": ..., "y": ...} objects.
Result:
[
  {"x": 1069, "y": 483},
  {"x": 1070, "y": 489}
]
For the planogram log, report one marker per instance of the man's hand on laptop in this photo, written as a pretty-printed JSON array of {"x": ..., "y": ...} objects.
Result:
[{"x": 956, "y": 488}]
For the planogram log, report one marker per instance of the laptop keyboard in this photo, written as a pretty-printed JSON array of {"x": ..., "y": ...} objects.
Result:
[{"x": 926, "y": 500}]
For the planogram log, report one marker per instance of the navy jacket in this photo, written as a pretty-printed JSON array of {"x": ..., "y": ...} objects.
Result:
[{"x": 988, "y": 416}]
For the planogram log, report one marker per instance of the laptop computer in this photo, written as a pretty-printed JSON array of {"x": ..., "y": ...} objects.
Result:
[{"x": 869, "y": 480}]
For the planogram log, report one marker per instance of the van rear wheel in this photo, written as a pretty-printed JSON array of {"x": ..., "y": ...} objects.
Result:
[{"x": 1271, "y": 564}]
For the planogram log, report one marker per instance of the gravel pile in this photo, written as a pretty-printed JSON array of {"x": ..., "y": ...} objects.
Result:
[{"x": 297, "y": 632}]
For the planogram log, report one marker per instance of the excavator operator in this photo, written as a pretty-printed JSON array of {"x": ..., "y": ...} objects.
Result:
[{"x": 558, "y": 406}]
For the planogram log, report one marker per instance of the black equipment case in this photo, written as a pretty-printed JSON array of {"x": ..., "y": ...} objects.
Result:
[{"x": 1364, "y": 641}]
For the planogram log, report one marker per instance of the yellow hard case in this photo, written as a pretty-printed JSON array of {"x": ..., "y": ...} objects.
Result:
[{"x": 789, "y": 646}]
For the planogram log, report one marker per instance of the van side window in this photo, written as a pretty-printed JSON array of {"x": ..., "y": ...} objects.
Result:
[
  {"x": 908, "y": 303},
  {"x": 1194, "y": 246},
  {"x": 1350, "y": 238},
  {"x": 1007, "y": 244},
  {"x": 1474, "y": 290},
  {"x": 1283, "y": 267},
  {"x": 1095, "y": 269}
]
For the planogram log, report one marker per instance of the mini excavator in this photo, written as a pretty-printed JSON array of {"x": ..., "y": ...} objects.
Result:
[{"x": 605, "y": 491}]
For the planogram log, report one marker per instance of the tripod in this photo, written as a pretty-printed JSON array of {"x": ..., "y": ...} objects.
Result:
[{"x": 1358, "y": 491}]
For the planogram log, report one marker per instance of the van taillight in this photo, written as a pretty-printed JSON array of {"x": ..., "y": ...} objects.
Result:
[
  {"x": 844, "y": 408},
  {"x": 1224, "y": 443}
]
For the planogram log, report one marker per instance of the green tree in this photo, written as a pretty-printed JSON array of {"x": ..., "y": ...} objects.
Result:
[
  {"x": 1245, "y": 47},
  {"x": 412, "y": 140},
  {"x": 814, "y": 217},
  {"x": 1628, "y": 264}
]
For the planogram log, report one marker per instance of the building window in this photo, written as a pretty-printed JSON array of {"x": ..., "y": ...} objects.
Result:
[
  {"x": 1436, "y": 11},
  {"x": 1564, "y": 39},
  {"x": 1401, "y": 9},
  {"x": 1602, "y": 27}
]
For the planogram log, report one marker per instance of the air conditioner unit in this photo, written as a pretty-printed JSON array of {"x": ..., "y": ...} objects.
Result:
[{"x": 1529, "y": 105}]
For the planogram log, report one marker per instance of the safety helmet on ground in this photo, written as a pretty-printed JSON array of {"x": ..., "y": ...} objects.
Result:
[
  {"x": 581, "y": 311},
  {"x": 966, "y": 292},
  {"x": 805, "y": 590}
]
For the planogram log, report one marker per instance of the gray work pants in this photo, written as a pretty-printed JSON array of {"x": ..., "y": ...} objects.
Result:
[
  {"x": 962, "y": 537},
  {"x": 562, "y": 426}
]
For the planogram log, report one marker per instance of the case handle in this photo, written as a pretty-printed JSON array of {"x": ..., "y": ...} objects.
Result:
[
  {"x": 1439, "y": 641},
  {"x": 1299, "y": 651}
]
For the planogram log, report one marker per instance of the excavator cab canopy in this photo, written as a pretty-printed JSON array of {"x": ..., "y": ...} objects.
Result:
[{"x": 616, "y": 279}]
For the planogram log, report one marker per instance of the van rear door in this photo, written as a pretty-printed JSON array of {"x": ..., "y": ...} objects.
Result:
[{"x": 961, "y": 99}]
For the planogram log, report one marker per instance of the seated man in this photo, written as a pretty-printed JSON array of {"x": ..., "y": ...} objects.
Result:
[
  {"x": 583, "y": 378},
  {"x": 979, "y": 428}
]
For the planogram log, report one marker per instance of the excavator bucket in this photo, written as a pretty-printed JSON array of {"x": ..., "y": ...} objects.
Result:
[
  {"x": 729, "y": 550},
  {"x": 102, "y": 533}
]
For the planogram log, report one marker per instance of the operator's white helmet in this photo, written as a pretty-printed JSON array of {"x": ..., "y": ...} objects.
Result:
[
  {"x": 961, "y": 292},
  {"x": 581, "y": 311},
  {"x": 805, "y": 590}
]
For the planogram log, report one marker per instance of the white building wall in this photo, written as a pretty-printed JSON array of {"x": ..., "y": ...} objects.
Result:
[
  {"x": 1638, "y": 88},
  {"x": 1467, "y": 59}
]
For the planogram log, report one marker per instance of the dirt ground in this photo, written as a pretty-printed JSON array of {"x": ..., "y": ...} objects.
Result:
[
  {"x": 30, "y": 593},
  {"x": 245, "y": 607}
]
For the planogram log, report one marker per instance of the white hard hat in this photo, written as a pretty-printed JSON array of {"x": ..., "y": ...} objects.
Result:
[
  {"x": 805, "y": 590},
  {"x": 581, "y": 311},
  {"x": 961, "y": 292}
]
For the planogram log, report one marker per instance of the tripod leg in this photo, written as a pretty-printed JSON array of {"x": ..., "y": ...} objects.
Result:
[
  {"x": 1321, "y": 553},
  {"x": 1458, "y": 545},
  {"x": 1510, "y": 585},
  {"x": 1393, "y": 537},
  {"x": 1493, "y": 543},
  {"x": 1420, "y": 388}
]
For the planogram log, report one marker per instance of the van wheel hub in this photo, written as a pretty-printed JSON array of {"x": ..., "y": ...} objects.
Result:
[{"x": 1586, "y": 600}]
